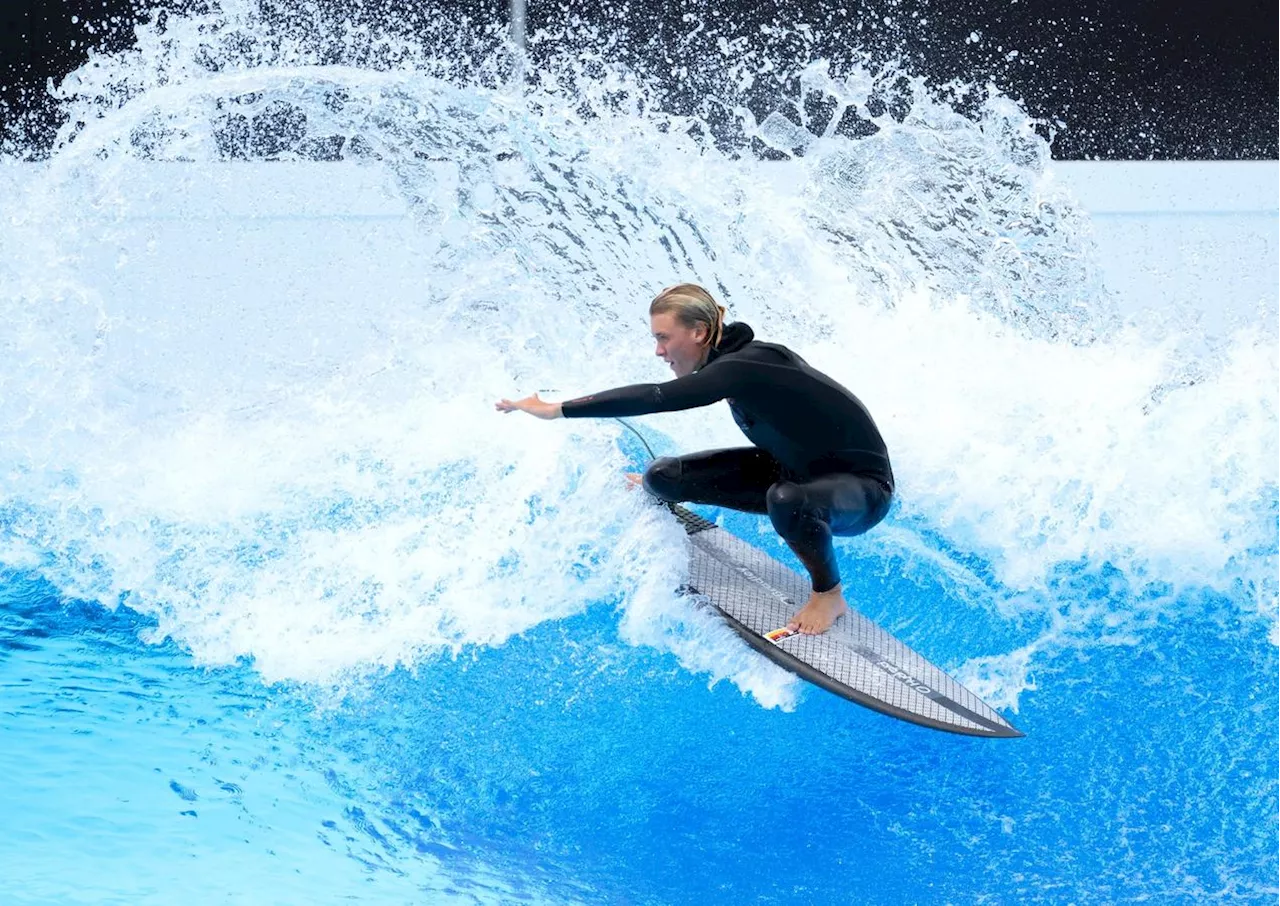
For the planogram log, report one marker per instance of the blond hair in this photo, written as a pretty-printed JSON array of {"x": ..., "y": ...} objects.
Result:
[{"x": 692, "y": 305}]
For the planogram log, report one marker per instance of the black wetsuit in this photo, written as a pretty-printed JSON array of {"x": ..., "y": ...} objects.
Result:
[{"x": 819, "y": 465}]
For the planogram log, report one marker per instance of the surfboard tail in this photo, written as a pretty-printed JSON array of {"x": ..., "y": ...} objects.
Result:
[{"x": 855, "y": 659}]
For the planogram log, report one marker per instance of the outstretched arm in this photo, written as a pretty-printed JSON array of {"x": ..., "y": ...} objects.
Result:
[
  {"x": 702, "y": 388},
  {"x": 531, "y": 404}
]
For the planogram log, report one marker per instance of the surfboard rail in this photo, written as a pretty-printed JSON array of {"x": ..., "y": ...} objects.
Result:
[{"x": 855, "y": 659}]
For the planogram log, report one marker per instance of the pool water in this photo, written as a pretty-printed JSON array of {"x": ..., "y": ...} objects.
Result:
[{"x": 289, "y": 614}]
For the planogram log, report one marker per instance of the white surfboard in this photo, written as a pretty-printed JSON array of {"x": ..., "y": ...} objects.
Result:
[{"x": 855, "y": 659}]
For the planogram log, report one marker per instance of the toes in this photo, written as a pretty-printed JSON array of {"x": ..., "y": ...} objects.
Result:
[{"x": 813, "y": 620}]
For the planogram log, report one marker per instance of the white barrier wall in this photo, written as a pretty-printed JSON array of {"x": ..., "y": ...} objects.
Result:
[{"x": 1198, "y": 235}]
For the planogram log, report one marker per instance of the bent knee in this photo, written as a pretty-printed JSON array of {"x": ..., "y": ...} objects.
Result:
[
  {"x": 662, "y": 478},
  {"x": 786, "y": 504}
]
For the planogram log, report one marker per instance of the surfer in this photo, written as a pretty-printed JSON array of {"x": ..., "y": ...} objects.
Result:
[{"x": 819, "y": 466}]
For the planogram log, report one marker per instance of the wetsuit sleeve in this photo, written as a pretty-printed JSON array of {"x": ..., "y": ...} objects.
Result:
[{"x": 702, "y": 388}]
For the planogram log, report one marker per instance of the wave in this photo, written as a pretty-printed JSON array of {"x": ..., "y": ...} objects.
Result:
[{"x": 275, "y": 436}]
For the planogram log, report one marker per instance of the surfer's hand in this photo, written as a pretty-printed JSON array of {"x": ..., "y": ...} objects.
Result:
[
  {"x": 531, "y": 404},
  {"x": 634, "y": 480}
]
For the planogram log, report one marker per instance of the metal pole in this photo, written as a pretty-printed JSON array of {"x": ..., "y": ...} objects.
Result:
[{"x": 518, "y": 9}]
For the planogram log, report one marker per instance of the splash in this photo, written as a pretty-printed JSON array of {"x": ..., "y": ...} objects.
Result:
[{"x": 265, "y": 421}]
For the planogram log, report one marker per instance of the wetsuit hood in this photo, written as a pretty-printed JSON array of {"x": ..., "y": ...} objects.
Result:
[{"x": 733, "y": 338}]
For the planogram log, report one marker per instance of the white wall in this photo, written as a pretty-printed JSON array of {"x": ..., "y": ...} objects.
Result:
[
  {"x": 1194, "y": 235},
  {"x": 1200, "y": 236}
]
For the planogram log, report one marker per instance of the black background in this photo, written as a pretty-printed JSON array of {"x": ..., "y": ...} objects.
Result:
[{"x": 1129, "y": 79}]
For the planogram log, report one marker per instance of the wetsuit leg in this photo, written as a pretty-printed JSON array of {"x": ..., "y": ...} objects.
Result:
[
  {"x": 806, "y": 514},
  {"x": 738, "y": 478}
]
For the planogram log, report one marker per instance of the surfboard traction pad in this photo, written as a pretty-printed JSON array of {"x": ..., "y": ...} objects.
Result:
[{"x": 855, "y": 659}]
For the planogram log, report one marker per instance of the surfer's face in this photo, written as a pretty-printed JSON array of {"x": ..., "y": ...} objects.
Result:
[{"x": 683, "y": 348}]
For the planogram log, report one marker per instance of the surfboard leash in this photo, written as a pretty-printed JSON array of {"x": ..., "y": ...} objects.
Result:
[{"x": 633, "y": 430}]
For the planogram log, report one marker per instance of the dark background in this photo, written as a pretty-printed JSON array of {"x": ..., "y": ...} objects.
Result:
[{"x": 1125, "y": 79}]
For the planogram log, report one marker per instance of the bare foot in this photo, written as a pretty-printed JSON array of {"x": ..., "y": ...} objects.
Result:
[
  {"x": 822, "y": 609},
  {"x": 634, "y": 480}
]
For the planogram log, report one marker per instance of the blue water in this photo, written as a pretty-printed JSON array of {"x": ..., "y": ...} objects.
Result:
[
  {"x": 566, "y": 766},
  {"x": 289, "y": 614}
]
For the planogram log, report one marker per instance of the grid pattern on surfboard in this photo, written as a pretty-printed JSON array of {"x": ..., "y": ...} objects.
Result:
[{"x": 762, "y": 594}]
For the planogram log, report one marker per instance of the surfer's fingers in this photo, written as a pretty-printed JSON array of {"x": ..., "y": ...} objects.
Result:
[
  {"x": 533, "y": 397},
  {"x": 506, "y": 405}
]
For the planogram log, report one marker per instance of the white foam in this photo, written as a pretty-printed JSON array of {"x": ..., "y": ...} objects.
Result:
[{"x": 254, "y": 399}]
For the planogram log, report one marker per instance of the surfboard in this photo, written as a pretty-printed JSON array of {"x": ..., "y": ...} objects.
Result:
[{"x": 855, "y": 659}]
